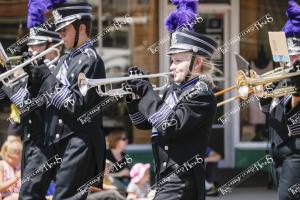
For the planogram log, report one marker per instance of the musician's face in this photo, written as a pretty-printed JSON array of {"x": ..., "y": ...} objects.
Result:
[
  {"x": 67, "y": 34},
  {"x": 36, "y": 48},
  {"x": 180, "y": 66},
  {"x": 294, "y": 58}
]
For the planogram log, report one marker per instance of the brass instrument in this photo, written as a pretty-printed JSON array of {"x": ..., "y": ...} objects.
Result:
[
  {"x": 12, "y": 76},
  {"x": 258, "y": 83},
  {"x": 85, "y": 84}
]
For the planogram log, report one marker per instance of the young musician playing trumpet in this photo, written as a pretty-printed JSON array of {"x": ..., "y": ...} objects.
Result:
[
  {"x": 80, "y": 148},
  {"x": 32, "y": 122},
  {"x": 182, "y": 119}
]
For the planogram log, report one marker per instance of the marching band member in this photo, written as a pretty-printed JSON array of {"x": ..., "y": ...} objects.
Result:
[
  {"x": 32, "y": 124},
  {"x": 181, "y": 120},
  {"x": 81, "y": 148},
  {"x": 283, "y": 117}
]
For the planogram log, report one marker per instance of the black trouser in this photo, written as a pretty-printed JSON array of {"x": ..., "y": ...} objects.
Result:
[
  {"x": 211, "y": 172},
  {"x": 77, "y": 167},
  {"x": 287, "y": 166},
  {"x": 188, "y": 186}
]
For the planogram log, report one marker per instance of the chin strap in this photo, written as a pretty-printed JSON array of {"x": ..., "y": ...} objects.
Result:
[
  {"x": 191, "y": 65},
  {"x": 76, "y": 25}
]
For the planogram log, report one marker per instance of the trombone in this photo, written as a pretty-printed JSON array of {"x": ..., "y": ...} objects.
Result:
[
  {"x": 256, "y": 83},
  {"x": 5, "y": 77},
  {"x": 105, "y": 85}
]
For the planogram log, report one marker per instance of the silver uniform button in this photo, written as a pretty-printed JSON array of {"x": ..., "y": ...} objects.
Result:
[
  {"x": 79, "y": 62},
  {"x": 28, "y": 135},
  {"x": 72, "y": 75},
  {"x": 29, "y": 121},
  {"x": 164, "y": 164},
  {"x": 166, "y": 148},
  {"x": 57, "y": 135},
  {"x": 60, "y": 121}
]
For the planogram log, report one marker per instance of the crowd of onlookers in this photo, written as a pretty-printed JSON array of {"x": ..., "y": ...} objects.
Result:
[{"x": 124, "y": 180}]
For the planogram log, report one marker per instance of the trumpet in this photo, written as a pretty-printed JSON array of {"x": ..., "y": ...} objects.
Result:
[
  {"x": 9, "y": 78},
  {"x": 86, "y": 84},
  {"x": 258, "y": 83}
]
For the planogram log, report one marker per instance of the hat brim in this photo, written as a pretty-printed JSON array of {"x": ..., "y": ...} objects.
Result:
[
  {"x": 41, "y": 40},
  {"x": 59, "y": 26},
  {"x": 35, "y": 42},
  {"x": 177, "y": 50}
]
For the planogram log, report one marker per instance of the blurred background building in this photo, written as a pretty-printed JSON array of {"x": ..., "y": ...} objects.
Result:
[{"x": 240, "y": 141}]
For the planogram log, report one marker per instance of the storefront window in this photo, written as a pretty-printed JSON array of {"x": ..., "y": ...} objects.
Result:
[
  {"x": 255, "y": 49},
  {"x": 125, "y": 45}
]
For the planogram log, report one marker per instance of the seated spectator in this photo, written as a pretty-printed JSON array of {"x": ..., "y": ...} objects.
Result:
[
  {"x": 117, "y": 142},
  {"x": 10, "y": 170},
  {"x": 139, "y": 186},
  {"x": 211, "y": 160}
]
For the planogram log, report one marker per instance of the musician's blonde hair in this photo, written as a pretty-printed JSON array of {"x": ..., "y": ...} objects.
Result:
[{"x": 208, "y": 68}]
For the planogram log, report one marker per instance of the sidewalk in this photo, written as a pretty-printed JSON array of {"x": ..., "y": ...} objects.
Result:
[{"x": 253, "y": 193}]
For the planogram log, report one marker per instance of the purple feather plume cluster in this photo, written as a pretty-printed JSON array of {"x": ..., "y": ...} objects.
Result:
[
  {"x": 292, "y": 26},
  {"x": 184, "y": 15},
  {"x": 36, "y": 10}
]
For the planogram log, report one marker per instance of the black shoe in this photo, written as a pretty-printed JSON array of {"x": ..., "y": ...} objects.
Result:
[{"x": 212, "y": 191}]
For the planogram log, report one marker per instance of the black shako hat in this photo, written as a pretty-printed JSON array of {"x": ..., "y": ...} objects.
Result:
[
  {"x": 189, "y": 41},
  {"x": 67, "y": 13},
  {"x": 39, "y": 36}
]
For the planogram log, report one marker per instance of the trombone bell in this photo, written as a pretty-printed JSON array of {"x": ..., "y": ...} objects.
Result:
[{"x": 257, "y": 84}]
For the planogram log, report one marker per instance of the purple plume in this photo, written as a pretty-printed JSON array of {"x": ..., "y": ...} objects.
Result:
[
  {"x": 292, "y": 26},
  {"x": 183, "y": 16},
  {"x": 36, "y": 10}
]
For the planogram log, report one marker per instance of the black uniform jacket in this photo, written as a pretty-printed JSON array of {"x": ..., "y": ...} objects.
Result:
[
  {"x": 32, "y": 123},
  {"x": 283, "y": 121},
  {"x": 181, "y": 121},
  {"x": 64, "y": 101}
]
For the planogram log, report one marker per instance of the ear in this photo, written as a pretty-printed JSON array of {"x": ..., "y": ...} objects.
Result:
[
  {"x": 82, "y": 28},
  {"x": 198, "y": 63}
]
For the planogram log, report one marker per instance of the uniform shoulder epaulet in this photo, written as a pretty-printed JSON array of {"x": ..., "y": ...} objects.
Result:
[
  {"x": 198, "y": 89},
  {"x": 91, "y": 53}
]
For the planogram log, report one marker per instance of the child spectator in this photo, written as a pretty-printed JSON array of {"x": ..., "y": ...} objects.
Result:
[
  {"x": 10, "y": 170},
  {"x": 139, "y": 185}
]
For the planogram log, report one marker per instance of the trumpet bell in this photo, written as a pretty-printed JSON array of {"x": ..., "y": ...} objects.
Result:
[{"x": 7, "y": 78}]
